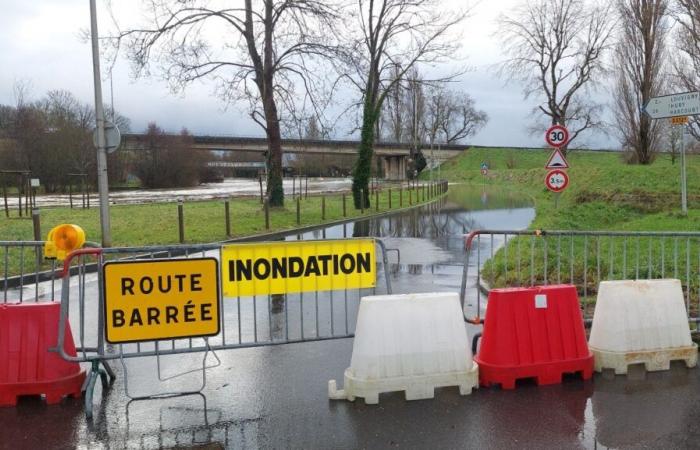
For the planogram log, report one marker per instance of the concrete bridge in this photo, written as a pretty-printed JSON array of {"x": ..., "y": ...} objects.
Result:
[{"x": 394, "y": 156}]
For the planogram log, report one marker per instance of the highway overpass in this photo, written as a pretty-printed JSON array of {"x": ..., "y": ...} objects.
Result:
[{"x": 394, "y": 156}]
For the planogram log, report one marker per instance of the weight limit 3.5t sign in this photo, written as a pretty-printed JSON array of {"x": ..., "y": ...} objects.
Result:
[{"x": 161, "y": 299}]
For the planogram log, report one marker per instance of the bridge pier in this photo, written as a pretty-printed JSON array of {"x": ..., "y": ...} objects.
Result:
[{"x": 394, "y": 167}]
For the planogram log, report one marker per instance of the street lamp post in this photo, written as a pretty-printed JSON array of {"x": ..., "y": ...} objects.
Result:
[{"x": 102, "y": 181}]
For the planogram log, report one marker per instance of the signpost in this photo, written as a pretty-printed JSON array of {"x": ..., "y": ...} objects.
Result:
[
  {"x": 161, "y": 299},
  {"x": 557, "y": 161},
  {"x": 678, "y": 107},
  {"x": 484, "y": 169},
  {"x": 557, "y": 136},
  {"x": 685, "y": 104},
  {"x": 556, "y": 180}
]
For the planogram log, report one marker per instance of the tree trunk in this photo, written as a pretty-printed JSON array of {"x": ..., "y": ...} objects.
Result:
[
  {"x": 361, "y": 171},
  {"x": 275, "y": 190}
]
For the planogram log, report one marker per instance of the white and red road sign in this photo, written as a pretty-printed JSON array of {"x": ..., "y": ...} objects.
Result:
[
  {"x": 557, "y": 161},
  {"x": 556, "y": 180},
  {"x": 557, "y": 136},
  {"x": 484, "y": 172}
]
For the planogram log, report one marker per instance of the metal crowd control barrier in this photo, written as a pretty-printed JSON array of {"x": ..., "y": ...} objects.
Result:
[
  {"x": 246, "y": 321},
  {"x": 26, "y": 275},
  {"x": 497, "y": 259}
]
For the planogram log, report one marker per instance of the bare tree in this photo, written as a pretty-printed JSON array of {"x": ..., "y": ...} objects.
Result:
[
  {"x": 686, "y": 63},
  {"x": 556, "y": 49},
  {"x": 394, "y": 111},
  {"x": 640, "y": 55},
  {"x": 385, "y": 39},
  {"x": 451, "y": 116},
  {"x": 261, "y": 52}
]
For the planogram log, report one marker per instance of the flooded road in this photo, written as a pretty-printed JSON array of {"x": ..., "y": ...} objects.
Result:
[
  {"x": 276, "y": 397},
  {"x": 246, "y": 187}
]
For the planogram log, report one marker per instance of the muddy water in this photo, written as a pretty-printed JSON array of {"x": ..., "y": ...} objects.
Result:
[{"x": 230, "y": 187}]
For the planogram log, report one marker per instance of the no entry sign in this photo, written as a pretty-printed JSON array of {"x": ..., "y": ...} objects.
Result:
[
  {"x": 556, "y": 180},
  {"x": 557, "y": 136}
]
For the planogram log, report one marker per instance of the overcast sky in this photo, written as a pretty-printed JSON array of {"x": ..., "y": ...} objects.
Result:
[{"x": 40, "y": 42}]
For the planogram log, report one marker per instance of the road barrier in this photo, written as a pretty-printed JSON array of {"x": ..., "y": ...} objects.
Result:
[
  {"x": 166, "y": 300},
  {"x": 522, "y": 258},
  {"x": 654, "y": 331},
  {"x": 27, "y": 332},
  {"x": 412, "y": 343},
  {"x": 535, "y": 333}
]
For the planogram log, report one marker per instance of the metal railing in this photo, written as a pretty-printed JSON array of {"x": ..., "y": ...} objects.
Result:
[
  {"x": 496, "y": 259},
  {"x": 27, "y": 276}
]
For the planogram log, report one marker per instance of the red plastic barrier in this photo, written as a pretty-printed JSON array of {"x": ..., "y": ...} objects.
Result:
[
  {"x": 27, "y": 331},
  {"x": 529, "y": 337}
]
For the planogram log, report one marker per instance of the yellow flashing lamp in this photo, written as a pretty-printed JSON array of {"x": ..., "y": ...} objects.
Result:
[{"x": 62, "y": 240}]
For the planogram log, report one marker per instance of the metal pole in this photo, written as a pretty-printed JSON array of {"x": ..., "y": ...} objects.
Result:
[
  {"x": 102, "y": 182},
  {"x": 684, "y": 186}
]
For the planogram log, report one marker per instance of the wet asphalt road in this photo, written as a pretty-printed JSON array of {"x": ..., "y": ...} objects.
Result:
[{"x": 276, "y": 397}]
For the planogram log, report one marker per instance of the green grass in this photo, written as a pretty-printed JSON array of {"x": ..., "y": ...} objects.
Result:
[
  {"x": 604, "y": 194},
  {"x": 157, "y": 223}
]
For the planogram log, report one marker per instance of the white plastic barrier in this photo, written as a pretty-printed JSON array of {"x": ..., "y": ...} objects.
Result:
[
  {"x": 642, "y": 321},
  {"x": 412, "y": 343}
]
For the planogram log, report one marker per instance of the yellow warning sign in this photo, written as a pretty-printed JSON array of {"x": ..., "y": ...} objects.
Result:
[
  {"x": 679, "y": 120},
  {"x": 161, "y": 299},
  {"x": 288, "y": 267}
]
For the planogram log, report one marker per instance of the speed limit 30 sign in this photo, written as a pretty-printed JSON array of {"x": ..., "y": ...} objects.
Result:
[
  {"x": 557, "y": 136},
  {"x": 556, "y": 180}
]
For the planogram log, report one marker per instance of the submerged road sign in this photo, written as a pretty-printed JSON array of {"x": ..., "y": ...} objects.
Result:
[
  {"x": 557, "y": 161},
  {"x": 289, "y": 267},
  {"x": 161, "y": 299},
  {"x": 687, "y": 103},
  {"x": 556, "y": 180}
]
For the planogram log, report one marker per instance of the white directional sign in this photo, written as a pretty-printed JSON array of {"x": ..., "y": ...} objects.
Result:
[
  {"x": 686, "y": 104},
  {"x": 557, "y": 161}
]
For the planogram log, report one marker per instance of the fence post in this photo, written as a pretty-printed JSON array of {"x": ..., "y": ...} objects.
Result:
[
  {"x": 401, "y": 196},
  {"x": 389, "y": 198},
  {"x": 299, "y": 210},
  {"x": 323, "y": 207},
  {"x": 307, "y": 187},
  {"x": 410, "y": 197},
  {"x": 266, "y": 207},
  {"x": 362, "y": 201},
  {"x": 36, "y": 222},
  {"x": 181, "y": 221},
  {"x": 4, "y": 194},
  {"x": 376, "y": 199},
  {"x": 228, "y": 218},
  {"x": 345, "y": 212}
]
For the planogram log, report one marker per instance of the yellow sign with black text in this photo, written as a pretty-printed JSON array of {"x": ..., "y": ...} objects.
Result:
[
  {"x": 161, "y": 299},
  {"x": 679, "y": 120},
  {"x": 297, "y": 266}
]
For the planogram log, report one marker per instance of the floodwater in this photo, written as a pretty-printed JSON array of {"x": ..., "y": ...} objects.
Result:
[
  {"x": 230, "y": 187},
  {"x": 276, "y": 396}
]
